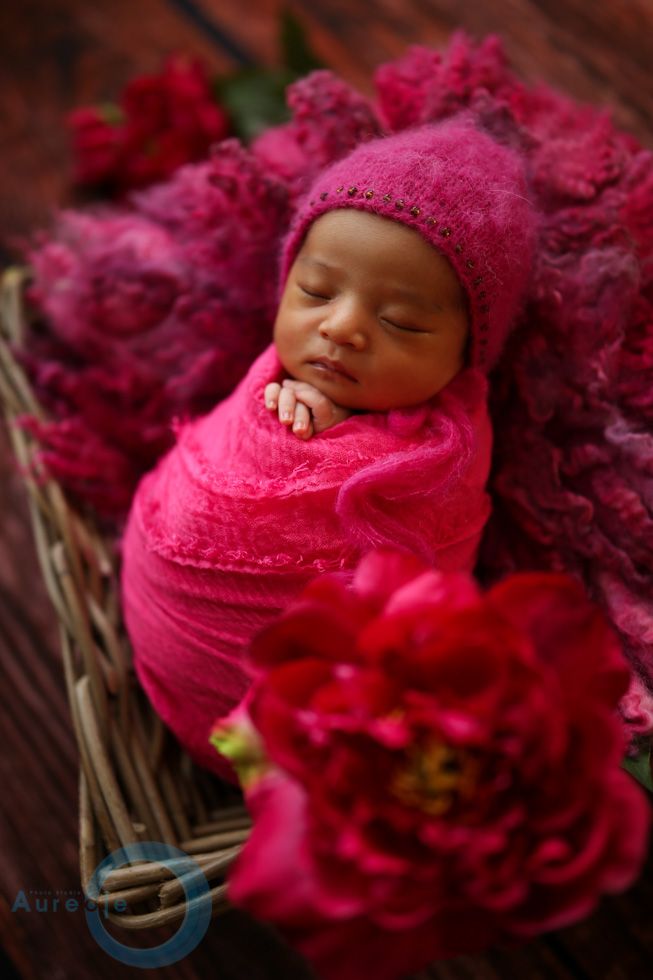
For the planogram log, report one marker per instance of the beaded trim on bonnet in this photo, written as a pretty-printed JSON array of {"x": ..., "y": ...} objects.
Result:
[{"x": 466, "y": 195}]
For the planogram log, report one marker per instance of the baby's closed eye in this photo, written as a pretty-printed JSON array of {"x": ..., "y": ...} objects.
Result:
[
  {"x": 314, "y": 294},
  {"x": 400, "y": 326}
]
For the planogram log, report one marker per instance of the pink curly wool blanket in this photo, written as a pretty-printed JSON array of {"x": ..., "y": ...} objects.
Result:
[{"x": 241, "y": 514}]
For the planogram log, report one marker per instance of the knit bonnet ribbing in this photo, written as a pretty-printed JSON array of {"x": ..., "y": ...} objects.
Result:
[{"x": 464, "y": 193}]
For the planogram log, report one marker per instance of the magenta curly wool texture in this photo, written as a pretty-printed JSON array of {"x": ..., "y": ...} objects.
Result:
[
  {"x": 152, "y": 316},
  {"x": 571, "y": 398},
  {"x": 329, "y": 120}
]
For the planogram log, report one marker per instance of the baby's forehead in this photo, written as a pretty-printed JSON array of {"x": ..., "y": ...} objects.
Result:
[{"x": 357, "y": 245}]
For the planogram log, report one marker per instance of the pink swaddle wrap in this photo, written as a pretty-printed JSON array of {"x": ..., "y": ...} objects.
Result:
[{"x": 241, "y": 514}]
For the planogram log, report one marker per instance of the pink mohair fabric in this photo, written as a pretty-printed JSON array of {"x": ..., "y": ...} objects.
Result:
[{"x": 241, "y": 514}]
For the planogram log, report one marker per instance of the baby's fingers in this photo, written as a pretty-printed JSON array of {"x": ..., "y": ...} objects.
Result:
[
  {"x": 271, "y": 395},
  {"x": 324, "y": 412},
  {"x": 303, "y": 425},
  {"x": 287, "y": 402}
]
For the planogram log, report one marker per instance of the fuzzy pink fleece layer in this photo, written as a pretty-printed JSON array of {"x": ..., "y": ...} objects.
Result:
[{"x": 241, "y": 514}]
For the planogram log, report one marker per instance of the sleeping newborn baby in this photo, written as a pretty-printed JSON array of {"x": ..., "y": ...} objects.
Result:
[
  {"x": 363, "y": 424},
  {"x": 372, "y": 318}
]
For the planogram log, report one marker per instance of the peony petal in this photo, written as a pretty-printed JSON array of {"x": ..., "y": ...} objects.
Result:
[
  {"x": 306, "y": 629},
  {"x": 570, "y": 633},
  {"x": 274, "y": 876},
  {"x": 380, "y": 573},
  {"x": 430, "y": 590},
  {"x": 631, "y": 810}
]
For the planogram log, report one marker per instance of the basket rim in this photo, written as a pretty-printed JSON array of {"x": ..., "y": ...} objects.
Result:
[{"x": 135, "y": 783}]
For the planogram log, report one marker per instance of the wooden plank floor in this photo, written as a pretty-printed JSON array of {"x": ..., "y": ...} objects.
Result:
[{"x": 54, "y": 55}]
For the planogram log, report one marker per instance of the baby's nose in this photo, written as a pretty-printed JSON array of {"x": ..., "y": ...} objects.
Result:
[{"x": 343, "y": 324}]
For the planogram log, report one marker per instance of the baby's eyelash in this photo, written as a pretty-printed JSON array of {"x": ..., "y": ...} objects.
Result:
[
  {"x": 307, "y": 292},
  {"x": 399, "y": 327}
]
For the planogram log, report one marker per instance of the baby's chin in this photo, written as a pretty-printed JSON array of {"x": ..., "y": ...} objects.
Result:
[
  {"x": 372, "y": 404},
  {"x": 360, "y": 406},
  {"x": 358, "y": 401},
  {"x": 354, "y": 396}
]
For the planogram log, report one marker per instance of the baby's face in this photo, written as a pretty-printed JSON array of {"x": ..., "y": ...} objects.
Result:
[{"x": 371, "y": 315}]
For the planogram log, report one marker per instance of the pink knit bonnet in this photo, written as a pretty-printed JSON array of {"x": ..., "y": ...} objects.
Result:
[{"x": 466, "y": 195}]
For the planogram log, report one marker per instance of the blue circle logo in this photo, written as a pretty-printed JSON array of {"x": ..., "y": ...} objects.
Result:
[{"x": 198, "y": 905}]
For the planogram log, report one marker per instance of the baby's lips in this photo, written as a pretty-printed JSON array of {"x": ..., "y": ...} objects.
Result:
[{"x": 332, "y": 367}]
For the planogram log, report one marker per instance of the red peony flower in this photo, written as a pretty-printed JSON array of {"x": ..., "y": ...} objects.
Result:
[
  {"x": 96, "y": 143},
  {"x": 444, "y": 767},
  {"x": 163, "y": 121}
]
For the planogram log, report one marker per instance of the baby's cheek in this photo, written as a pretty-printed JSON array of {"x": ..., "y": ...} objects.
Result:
[{"x": 287, "y": 355}]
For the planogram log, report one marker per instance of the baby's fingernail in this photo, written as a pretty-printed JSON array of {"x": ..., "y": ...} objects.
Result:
[
  {"x": 272, "y": 403},
  {"x": 299, "y": 425},
  {"x": 286, "y": 416}
]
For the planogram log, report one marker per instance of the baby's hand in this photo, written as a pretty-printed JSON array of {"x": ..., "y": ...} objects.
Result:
[{"x": 301, "y": 405}]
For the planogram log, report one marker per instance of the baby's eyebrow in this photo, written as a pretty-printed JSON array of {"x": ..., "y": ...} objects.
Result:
[
  {"x": 427, "y": 304},
  {"x": 312, "y": 261}
]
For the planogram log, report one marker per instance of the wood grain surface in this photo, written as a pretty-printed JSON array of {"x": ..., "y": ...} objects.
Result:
[{"x": 54, "y": 56}]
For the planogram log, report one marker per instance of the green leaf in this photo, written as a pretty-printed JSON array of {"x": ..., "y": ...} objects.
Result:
[
  {"x": 255, "y": 98},
  {"x": 237, "y": 739},
  {"x": 111, "y": 113},
  {"x": 639, "y": 766},
  {"x": 295, "y": 50}
]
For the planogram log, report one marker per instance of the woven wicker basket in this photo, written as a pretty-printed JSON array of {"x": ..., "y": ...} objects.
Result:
[{"x": 135, "y": 783}]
